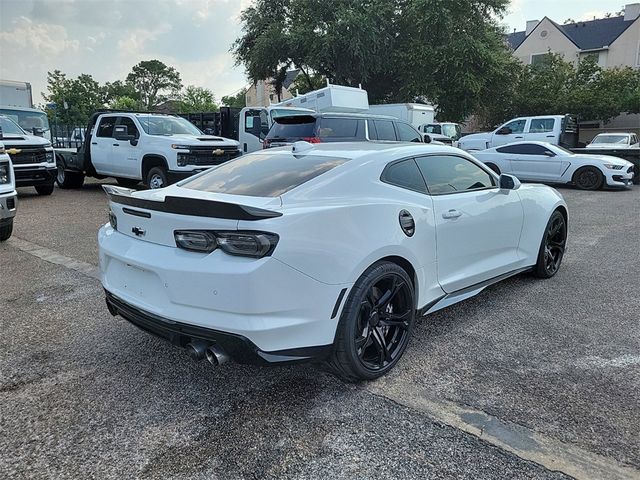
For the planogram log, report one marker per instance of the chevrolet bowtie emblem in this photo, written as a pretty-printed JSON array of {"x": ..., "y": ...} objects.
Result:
[
  {"x": 218, "y": 152},
  {"x": 13, "y": 151}
]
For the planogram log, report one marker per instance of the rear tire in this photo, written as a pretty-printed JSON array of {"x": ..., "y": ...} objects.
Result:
[
  {"x": 375, "y": 325},
  {"x": 156, "y": 178},
  {"x": 44, "y": 189},
  {"x": 552, "y": 246},
  {"x": 67, "y": 179},
  {"x": 127, "y": 182},
  {"x": 6, "y": 230},
  {"x": 588, "y": 178}
]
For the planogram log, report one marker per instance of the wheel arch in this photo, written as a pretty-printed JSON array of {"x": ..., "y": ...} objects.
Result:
[
  {"x": 400, "y": 260},
  {"x": 151, "y": 160}
]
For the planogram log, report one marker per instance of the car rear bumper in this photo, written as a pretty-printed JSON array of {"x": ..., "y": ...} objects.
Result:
[
  {"x": 271, "y": 305},
  {"x": 8, "y": 206},
  {"x": 239, "y": 348},
  {"x": 31, "y": 175}
]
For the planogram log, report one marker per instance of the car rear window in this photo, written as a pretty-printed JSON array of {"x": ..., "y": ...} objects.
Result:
[
  {"x": 263, "y": 174},
  {"x": 341, "y": 129},
  {"x": 293, "y": 128}
]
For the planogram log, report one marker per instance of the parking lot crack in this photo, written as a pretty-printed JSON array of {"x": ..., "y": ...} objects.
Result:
[{"x": 521, "y": 441}]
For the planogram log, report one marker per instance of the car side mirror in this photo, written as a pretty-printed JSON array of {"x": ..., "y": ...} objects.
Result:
[
  {"x": 509, "y": 182},
  {"x": 38, "y": 131},
  {"x": 121, "y": 132},
  {"x": 427, "y": 139}
]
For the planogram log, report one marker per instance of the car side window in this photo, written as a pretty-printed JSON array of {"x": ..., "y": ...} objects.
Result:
[
  {"x": 373, "y": 134},
  {"x": 523, "y": 149},
  {"x": 105, "y": 129},
  {"x": 451, "y": 174},
  {"x": 517, "y": 126},
  {"x": 404, "y": 174},
  {"x": 131, "y": 126},
  {"x": 541, "y": 125},
  {"x": 407, "y": 133},
  {"x": 385, "y": 130}
]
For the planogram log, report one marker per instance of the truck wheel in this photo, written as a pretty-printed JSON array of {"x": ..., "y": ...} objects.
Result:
[
  {"x": 67, "y": 179},
  {"x": 45, "y": 189},
  {"x": 5, "y": 231},
  {"x": 127, "y": 182},
  {"x": 156, "y": 178}
]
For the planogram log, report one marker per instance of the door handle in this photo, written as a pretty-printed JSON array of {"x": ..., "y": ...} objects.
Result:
[
  {"x": 451, "y": 214},
  {"x": 518, "y": 137},
  {"x": 116, "y": 144},
  {"x": 94, "y": 143}
]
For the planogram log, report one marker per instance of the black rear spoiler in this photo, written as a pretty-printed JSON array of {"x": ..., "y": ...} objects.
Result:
[{"x": 189, "y": 206}]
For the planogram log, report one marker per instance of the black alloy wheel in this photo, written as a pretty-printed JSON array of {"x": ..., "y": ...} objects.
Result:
[
  {"x": 588, "y": 178},
  {"x": 553, "y": 246},
  {"x": 375, "y": 324}
]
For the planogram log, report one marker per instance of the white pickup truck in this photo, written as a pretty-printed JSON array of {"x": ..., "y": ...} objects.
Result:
[
  {"x": 149, "y": 147},
  {"x": 8, "y": 195},
  {"x": 555, "y": 129}
]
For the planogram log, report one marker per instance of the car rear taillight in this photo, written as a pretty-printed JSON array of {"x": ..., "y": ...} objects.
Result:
[
  {"x": 244, "y": 244},
  {"x": 312, "y": 139}
]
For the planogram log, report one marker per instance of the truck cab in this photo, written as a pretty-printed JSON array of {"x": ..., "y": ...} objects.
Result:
[
  {"x": 32, "y": 156},
  {"x": 8, "y": 195},
  {"x": 156, "y": 149},
  {"x": 555, "y": 129}
]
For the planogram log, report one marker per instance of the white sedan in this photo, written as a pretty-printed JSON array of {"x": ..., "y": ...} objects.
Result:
[
  {"x": 544, "y": 162},
  {"x": 614, "y": 141},
  {"x": 321, "y": 252}
]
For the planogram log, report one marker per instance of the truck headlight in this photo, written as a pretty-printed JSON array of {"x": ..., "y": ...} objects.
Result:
[
  {"x": 177, "y": 146},
  {"x": 4, "y": 173},
  {"x": 50, "y": 157}
]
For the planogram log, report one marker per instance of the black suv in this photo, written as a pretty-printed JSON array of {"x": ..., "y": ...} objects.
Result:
[{"x": 339, "y": 127}]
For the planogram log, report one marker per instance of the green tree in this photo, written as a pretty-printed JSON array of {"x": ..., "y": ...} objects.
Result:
[
  {"x": 75, "y": 99},
  {"x": 306, "y": 83},
  {"x": 154, "y": 82},
  {"x": 238, "y": 100},
  {"x": 197, "y": 99},
  {"x": 115, "y": 92},
  {"x": 449, "y": 53}
]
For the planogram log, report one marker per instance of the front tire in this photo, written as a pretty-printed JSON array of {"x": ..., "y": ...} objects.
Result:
[
  {"x": 156, "y": 178},
  {"x": 44, "y": 189},
  {"x": 6, "y": 230},
  {"x": 375, "y": 325},
  {"x": 588, "y": 178},
  {"x": 552, "y": 246}
]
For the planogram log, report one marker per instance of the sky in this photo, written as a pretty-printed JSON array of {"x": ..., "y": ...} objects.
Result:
[{"x": 105, "y": 38}]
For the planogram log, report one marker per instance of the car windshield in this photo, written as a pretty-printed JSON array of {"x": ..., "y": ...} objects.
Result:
[
  {"x": 433, "y": 129},
  {"x": 609, "y": 139},
  {"x": 449, "y": 130},
  {"x": 28, "y": 119},
  {"x": 9, "y": 127},
  {"x": 165, "y": 125}
]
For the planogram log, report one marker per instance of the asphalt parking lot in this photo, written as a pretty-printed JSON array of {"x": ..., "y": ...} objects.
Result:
[{"x": 530, "y": 379}]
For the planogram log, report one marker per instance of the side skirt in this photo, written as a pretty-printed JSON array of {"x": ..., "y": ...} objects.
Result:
[{"x": 467, "y": 292}]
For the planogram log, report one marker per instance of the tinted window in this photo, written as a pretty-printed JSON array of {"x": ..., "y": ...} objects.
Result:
[
  {"x": 105, "y": 129},
  {"x": 449, "y": 174},
  {"x": 517, "y": 126},
  {"x": 407, "y": 133},
  {"x": 541, "y": 125},
  {"x": 523, "y": 149},
  {"x": 433, "y": 129},
  {"x": 404, "y": 174},
  {"x": 291, "y": 129},
  {"x": 340, "y": 129},
  {"x": 385, "y": 130},
  {"x": 373, "y": 134},
  {"x": 131, "y": 126},
  {"x": 263, "y": 174}
]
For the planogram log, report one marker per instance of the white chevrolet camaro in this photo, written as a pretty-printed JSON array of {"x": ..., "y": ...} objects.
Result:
[
  {"x": 321, "y": 252},
  {"x": 544, "y": 162}
]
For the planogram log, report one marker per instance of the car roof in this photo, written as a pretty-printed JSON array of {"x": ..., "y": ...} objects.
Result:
[
  {"x": 613, "y": 133},
  {"x": 524, "y": 142},
  {"x": 346, "y": 115},
  {"x": 360, "y": 152}
]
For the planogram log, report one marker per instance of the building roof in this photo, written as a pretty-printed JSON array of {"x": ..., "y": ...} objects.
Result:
[
  {"x": 289, "y": 78},
  {"x": 589, "y": 35}
]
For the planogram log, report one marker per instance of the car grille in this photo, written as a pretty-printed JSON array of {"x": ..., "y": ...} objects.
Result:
[
  {"x": 208, "y": 155},
  {"x": 27, "y": 155}
]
